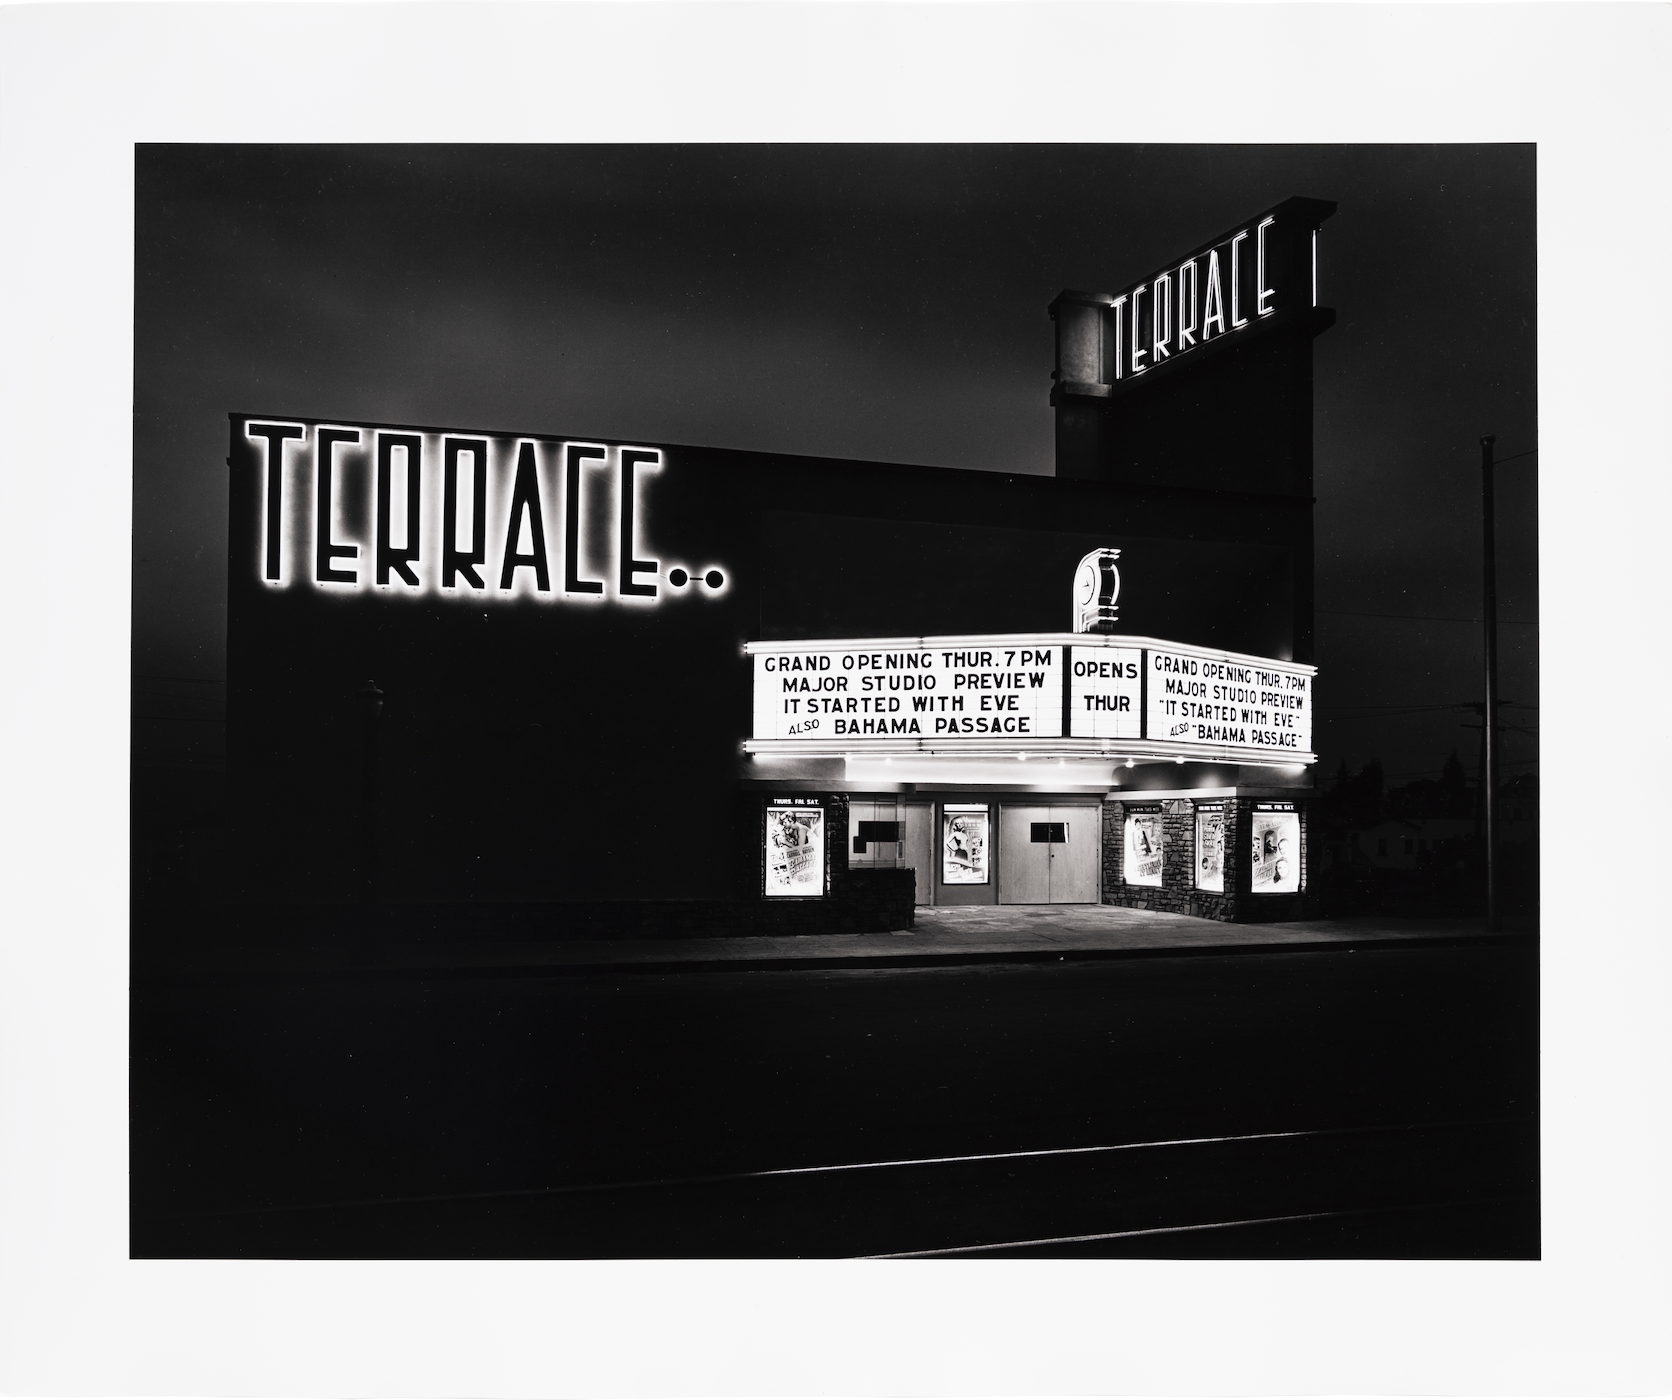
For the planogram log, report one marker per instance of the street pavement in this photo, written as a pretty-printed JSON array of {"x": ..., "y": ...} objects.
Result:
[
  {"x": 941, "y": 936},
  {"x": 1346, "y": 1090}
]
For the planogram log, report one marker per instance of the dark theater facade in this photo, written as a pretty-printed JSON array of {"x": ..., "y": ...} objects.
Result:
[{"x": 605, "y": 688}]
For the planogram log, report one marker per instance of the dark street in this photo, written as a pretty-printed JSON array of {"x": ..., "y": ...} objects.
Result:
[{"x": 1378, "y": 1103}]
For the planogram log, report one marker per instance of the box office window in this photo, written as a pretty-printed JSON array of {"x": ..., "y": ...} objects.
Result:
[
  {"x": 1048, "y": 833},
  {"x": 1210, "y": 849},
  {"x": 874, "y": 839},
  {"x": 1275, "y": 857},
  {"x": 1142, "y": 865},
  {"x": 868, "y": 833},
  {"x": 965, "y": 844},
  {"x": 794, "y": 851}
]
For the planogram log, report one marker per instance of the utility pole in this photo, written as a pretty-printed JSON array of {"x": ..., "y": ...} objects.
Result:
[
  {"x": 1489, "y": 720},
  {"x": 370, "y": 700}
]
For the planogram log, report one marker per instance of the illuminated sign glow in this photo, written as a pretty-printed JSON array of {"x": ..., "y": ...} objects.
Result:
[
  {"x": 1275, "y": 858},
  {"x": 836, "y": 690},
  {"x": 1105, "y": 686},
  {"x": 794, "y": 849},
  {"x": 1059, "y": 695},
  {"x": 1143, "y": 835},
  {"x": 1207, "y": 700},
  {"x": 353, "y": 509},
  {"x": 1096, "y": 587},
  {"x": 964, "y": 843},
  {"x": 1259, "y": 273},
  {"x": 1210, "y": 849},
  {"x": 1176, "y": 306}
]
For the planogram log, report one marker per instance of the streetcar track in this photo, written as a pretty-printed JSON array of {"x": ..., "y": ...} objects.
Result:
[
  {"x": 1209, "y": 1225},
  {"x": 832, "y": 1169}
]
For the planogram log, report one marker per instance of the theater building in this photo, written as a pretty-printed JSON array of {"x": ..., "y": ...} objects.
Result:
[{"x": 592, "y": 687}]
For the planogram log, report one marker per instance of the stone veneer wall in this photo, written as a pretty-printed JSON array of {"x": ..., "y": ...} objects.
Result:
[
  {"x": 1205, "y": 904},
  {"x": 1178, "y": 894},
  {"x": 1172, "y": 897}
]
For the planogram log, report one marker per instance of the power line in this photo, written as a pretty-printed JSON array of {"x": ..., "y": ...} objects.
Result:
[
  {"x": 1425, "y": 617},
  {"x": 1389, "y": 708},
  {"x": 1413, "y": 707}
]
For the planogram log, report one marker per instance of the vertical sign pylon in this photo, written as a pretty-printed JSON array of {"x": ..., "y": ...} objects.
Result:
[{"x": 1489, "y": 618}]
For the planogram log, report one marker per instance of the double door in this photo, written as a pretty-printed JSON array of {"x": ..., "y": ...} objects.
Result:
[{"x": 1048, "y": 855}]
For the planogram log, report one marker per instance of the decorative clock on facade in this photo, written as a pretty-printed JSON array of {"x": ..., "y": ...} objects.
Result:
[{"x": 1096, "y": 586}]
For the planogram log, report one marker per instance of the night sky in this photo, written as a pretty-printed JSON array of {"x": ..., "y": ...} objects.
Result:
[{"x": 877, "y": 302}]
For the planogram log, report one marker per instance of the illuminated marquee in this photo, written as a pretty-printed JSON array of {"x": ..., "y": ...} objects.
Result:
[
  {"x": 1059, "y": 694},
  {"x": 353, "y": 508},
  {"x": 1216, "y": 700},
  {"x": 833, "y": 690}
]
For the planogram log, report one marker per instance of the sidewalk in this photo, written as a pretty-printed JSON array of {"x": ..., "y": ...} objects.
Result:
[{"x": 942, "y": 937}]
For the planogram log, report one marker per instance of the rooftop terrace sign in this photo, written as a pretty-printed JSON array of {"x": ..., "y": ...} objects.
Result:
[
  {"x": 1259, "y": 274},
  {"x": 1058, "y": 694}
]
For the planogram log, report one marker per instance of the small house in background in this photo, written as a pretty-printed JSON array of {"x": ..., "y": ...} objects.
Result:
[{"x": 1401, "y": 845}]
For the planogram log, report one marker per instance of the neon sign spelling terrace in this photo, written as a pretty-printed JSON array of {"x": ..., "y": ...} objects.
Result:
[
  {"x": 1261, "y": 273},
  {"x": 460, "y": 515},
  {"x": 1202, "y": 287}
]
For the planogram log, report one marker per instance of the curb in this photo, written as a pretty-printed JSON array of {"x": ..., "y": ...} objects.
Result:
[{"x": 456, "y": 972}]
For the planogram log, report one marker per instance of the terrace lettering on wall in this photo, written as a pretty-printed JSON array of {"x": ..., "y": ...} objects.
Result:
[{"x": 354, "y": 509}]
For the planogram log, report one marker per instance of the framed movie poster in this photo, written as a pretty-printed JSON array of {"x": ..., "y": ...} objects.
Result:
[
  {"x": 1210, "y": 849},
  {"x": 964, "y": 843},
  {"x": 1143, "y": 849},
  {"x": 1276, "y": 853},
  {"x": 795, "y": 850}
]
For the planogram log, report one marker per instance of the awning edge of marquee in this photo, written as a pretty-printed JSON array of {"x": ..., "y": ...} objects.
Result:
[
  {"x": 1104, "y": 750},
  {"x": 1018, "y": 639}
]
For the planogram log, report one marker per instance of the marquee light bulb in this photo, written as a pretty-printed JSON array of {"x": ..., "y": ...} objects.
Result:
[{"x": 1129, "y": 763}]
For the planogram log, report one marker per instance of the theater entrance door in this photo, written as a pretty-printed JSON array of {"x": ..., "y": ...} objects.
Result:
[
  {"x": 917, "y": 831},
  {"x": 1048, "y": 855}
]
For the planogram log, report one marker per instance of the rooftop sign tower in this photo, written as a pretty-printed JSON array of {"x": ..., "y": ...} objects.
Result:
[{"x": 1199, "y": 375}]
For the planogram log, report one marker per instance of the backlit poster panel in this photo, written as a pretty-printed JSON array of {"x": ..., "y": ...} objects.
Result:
[
  {"x": 1276, "y": 853},
  {"x": 964, "y": 844},
  {"x": 794, "y": 851},
  {"x": 1143, "y": 849},
  {"x": 1210, "y": 849}
]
